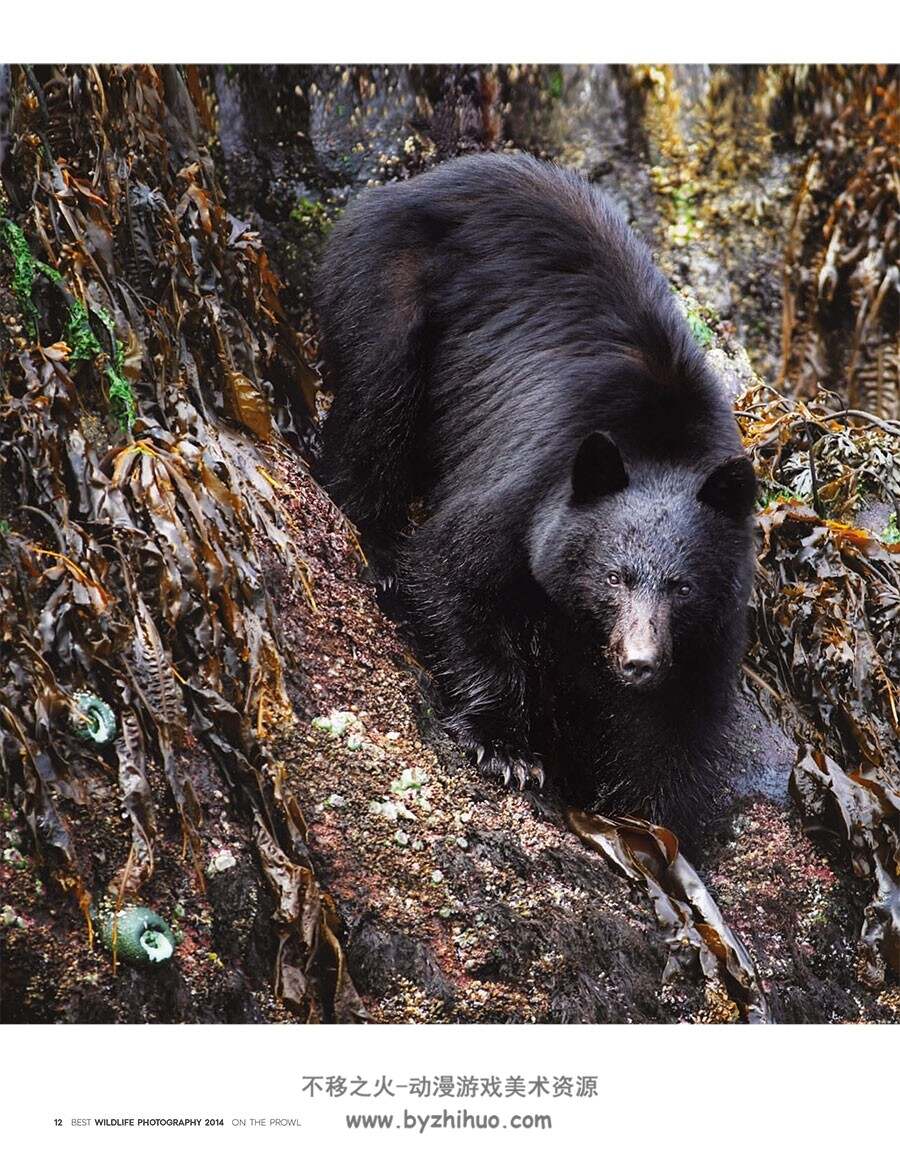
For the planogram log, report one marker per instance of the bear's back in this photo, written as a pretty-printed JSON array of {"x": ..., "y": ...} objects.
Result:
[
  {"x": 548, "y": 319},
  {"x": 537, "y": 316}
]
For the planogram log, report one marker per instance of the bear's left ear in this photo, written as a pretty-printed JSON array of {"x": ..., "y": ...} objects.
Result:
[
  {"x": 730, "y": 488},
  {"x": 598, "y": 469}
]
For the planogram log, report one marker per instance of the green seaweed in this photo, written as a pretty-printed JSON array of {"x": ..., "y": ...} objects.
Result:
[
  {"x": 48, "y": 271},
  {"x": 311, "y": 215},
  {"x": 24, "y": 269},
  {"x": 777, "y": 495},
  {"x": 122, "y": 402},
  {"x": 83, "y": 344},
  {"x": 699, "y": 316},
  {"x": 701, "y": 331},
  {"x": 81, "y": 341}
]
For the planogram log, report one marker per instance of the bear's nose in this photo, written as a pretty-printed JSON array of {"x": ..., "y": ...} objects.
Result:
[{"x": 638, "y": 669}]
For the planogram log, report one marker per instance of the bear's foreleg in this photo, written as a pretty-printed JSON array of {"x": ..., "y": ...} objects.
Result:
[{"x": 478, "y": 653}]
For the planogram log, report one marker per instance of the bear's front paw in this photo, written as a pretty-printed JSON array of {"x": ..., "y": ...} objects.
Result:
[
  {"x": 512, "y": 768},
  {"x": 386, "y": 582},
  {"x": 500, "y": 760}
]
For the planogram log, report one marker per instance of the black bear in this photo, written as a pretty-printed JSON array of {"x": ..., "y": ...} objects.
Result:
[{"x": 503, "y": 351}]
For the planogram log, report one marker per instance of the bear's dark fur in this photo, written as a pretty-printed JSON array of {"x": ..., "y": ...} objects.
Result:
[{"x": 502, "y": 348}]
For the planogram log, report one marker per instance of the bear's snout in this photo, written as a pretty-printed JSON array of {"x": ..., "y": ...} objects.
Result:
[
  {"x": 640, "y": 649},
  {"x": 639, "y": 664}
]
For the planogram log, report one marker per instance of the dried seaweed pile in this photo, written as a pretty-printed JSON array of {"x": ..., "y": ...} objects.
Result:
[
  {"x": 825, "y": 657},
  {"x": 141, "y": 329},
  {"x": 841, "y": 296}
]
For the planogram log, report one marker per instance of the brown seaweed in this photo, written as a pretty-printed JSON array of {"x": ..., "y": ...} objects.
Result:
[
  {"x": 144, "y": 333},
  {"x": 825, "y": 654}
]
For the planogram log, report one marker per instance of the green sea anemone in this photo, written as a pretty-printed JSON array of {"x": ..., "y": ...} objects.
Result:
[
  {"x": 93, "y": 718},
  {"x": 141, "y": 937}
]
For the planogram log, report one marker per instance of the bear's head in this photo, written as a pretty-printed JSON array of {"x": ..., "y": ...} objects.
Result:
[{"x": 650, "y": 567}]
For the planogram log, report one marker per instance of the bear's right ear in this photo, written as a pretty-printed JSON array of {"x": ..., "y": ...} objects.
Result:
[
  {"x": 731, "y": 488},
  {"x": 598, "y": 469}
]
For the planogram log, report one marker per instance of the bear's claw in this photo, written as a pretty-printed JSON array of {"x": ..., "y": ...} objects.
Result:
[
  {"x": 517, "y": 771},
  {"x": 387, "y": 583},
  {"x": 513, "y": 768},
  {"x": 536, "y": 772}
]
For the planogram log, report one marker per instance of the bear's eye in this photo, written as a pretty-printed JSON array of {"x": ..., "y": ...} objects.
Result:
[
  {"x": 613, "y": 578},
  {"x": 682, "y": 588}
]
